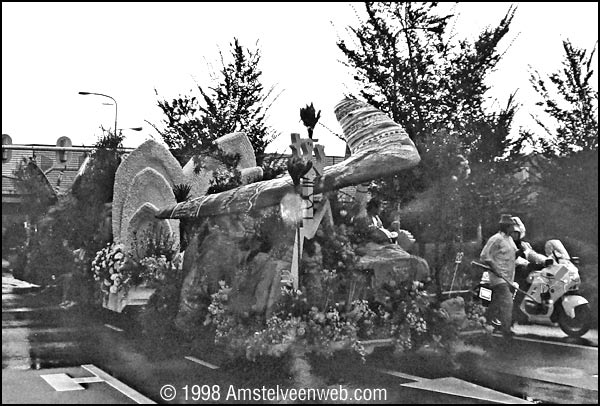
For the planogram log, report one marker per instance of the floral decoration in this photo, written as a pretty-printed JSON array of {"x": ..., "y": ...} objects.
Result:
[{"x": 107, "y": 268}]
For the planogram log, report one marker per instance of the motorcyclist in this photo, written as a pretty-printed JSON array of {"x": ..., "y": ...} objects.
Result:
[{"x": 527, "y": 259}]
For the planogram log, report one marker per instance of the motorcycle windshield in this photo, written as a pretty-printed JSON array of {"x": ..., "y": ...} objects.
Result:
[{"x": 556, "y": 249}]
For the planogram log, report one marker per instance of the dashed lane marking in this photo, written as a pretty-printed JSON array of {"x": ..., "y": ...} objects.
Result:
[
  {"x": 31, "y": 309},
  {"x": 403, "y": 375},
  {"x": 535, "y": 340},
  {"x": 120, "y": 330},
  {"x": 199, "y": 361}
]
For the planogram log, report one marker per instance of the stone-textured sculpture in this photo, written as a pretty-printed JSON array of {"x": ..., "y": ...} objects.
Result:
[
  {"x": 234, "y": 143},
  {"x": 149, "y": 154},
  {"x": 148, "y": 186}
]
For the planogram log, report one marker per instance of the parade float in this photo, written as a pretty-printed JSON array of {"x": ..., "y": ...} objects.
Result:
[{"x": 276, "y": 265}]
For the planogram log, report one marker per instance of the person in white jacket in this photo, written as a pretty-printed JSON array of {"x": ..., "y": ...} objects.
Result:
[
  {"x": 527, "y": 259},
  {"x": 499, "y": 253}
]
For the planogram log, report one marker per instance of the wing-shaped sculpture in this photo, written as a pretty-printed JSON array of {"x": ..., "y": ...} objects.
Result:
[{"x": 379, "y": 146}]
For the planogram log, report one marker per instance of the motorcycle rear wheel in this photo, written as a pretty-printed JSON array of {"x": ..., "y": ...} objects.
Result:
[{"x": 579, "y": 325}]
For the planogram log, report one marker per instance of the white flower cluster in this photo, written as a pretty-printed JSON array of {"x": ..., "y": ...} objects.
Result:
[
  {"x": 106, "y": 267},
  {"x": 416, "y": 323}
]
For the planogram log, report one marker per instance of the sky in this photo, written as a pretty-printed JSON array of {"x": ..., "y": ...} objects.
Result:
[{"x": 130, "y": 51}]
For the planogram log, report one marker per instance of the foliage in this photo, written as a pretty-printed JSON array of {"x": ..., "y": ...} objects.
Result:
[
  {"x": 181, "y": 192},
  {"x": 567, "y": 201},
  {"x": 162, "y": 307},
  {"x": 96, "y": 186},
  {"x": 407, "y": 64},
  {"x": 339, "y": 309},
  {"x": 15, "y": 236},
  {"x": 237, "y": 102},
  {"x": 476, "y": 313},
  {"x": 310, "y": 118},
  {"x": 571, "y": 102},
  {"x": 31, "y": 183},
  {"x": 320, "y": 331},
  {"x": 84, "y": 217},
  {"x": 274, "y": 166},
  {"x": 47, "y": 258},
  {"x": 564, "y": 168},
  {"x": 153, "y": 241},
  {"x": 405, "y": 313},
  {"x": 79, "y": 219}
]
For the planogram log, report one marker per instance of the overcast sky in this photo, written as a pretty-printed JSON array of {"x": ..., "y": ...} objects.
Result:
[{"x": 51, "y": 51}]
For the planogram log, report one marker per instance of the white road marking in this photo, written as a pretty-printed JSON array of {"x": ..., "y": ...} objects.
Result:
[
  {"x": 88, "y": 379},
  {"x": 118, "y": 385},
  {"x": 199, "y": 361},
  {"x": 120, "y": 330},
  {"x": 30, "y": 309},
  {"x": 458, "y": 387},
  {"x": 62, "y": 382},
  {"x": 535, "y": 340},
  {"x": 403, "y": 375}
]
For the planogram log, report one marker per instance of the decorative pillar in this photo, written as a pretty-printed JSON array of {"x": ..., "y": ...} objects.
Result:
[{"x": 303, "y": 148}]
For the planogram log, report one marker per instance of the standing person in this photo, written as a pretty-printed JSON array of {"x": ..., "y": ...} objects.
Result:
[{"x": 499, "y": 253}]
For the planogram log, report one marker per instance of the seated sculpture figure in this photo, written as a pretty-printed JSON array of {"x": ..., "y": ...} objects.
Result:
[{"x": 377, "y": 232}]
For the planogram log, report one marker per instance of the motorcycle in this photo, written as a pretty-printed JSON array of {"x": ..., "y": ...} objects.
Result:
[{"x": 553, "y": 293}]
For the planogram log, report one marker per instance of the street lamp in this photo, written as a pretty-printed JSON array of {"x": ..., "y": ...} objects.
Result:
[{"x": 110, "y": 97}]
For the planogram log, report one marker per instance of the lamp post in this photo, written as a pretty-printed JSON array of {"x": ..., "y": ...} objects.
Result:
[
  {"x": 132, "y": 129},
  {"x": 110, "y": 97}
]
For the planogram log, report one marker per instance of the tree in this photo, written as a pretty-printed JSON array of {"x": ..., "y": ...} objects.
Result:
[
  {"x": 37, "y": 193},
  {"x": 408, "y": 64},
  {"x": 566, "y": 158},
  {"x": 573, "y": 104},
  {"x": 82, "y": 216},
  {"x": 238, "y": 102},
  {"x": 408, "y": 67}
]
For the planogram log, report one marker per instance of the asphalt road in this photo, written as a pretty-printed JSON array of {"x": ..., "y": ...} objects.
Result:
[{"x": 39, "y": 339}]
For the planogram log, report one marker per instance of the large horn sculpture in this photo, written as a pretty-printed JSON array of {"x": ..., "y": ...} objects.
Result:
[{"x": 379, "y": 146}]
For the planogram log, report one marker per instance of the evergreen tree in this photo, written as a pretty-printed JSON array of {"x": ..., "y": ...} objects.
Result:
[
  {"x": 566, "y": 159},
  {"x": 238, "y": 102},
  {"x": 572, "y": 104},
  {"x": 408, "y": 66}
]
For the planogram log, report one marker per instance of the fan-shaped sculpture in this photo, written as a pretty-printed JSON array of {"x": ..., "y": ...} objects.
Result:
[
  {"x": 144, "y": 223},
  {"x": 149, "y": 154},
  {"x": 148, "y": 186}
]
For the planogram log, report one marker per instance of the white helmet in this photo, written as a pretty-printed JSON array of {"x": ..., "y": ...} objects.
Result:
[{"x": 519, "y": 226}]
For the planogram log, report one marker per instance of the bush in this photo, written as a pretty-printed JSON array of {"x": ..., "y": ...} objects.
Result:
[{"x": 48, "y": 258}]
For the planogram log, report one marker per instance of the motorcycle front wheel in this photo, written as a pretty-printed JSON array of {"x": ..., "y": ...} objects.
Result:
[{"x": 579, "y": 325}]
